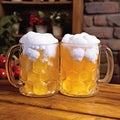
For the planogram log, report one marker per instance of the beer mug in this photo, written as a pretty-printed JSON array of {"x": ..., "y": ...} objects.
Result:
[
  {"x": 80, "y": 65},
  {"x": 39, "y": 65}
]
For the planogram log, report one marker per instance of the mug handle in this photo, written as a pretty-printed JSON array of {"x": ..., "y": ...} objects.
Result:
[
  {"x": 110, "y": 66},
  {"x": 10, "y": 57}
]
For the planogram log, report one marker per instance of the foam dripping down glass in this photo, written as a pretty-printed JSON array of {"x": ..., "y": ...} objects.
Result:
[
  {"x": 80, "y": 65},
  {"x": 39, "y": 64}
]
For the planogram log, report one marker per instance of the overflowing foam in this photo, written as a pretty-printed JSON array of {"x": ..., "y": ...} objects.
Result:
[
  {"x": 78, "y": 53},
  {"x": 87, "y": 45},
  {"x": 31, "y": 42},
  {"x": 83, "y": 39},
  {"x": 92, "y": 54},
  {"x": 33, "y": 38}
]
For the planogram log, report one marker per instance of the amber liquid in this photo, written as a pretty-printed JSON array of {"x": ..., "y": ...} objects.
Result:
[
  {"x": 77, "y": 78},
  {"x": 40, "y": 76}
]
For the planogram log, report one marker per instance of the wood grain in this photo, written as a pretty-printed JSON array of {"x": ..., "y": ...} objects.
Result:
[
  {"x": 105, "y": 105},
  {"x": 20, "y": 112}
]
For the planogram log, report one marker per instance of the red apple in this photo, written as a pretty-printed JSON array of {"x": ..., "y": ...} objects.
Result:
[
  {"x": 12, "y": 64},
  {"x": 2, "y": 61},
  {"x": 16, "y": 70},
  {"x": 3, "y": 73}
]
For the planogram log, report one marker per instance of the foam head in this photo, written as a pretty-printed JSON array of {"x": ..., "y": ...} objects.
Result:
[
  {"x": 82, "y": 38},
  {"x": 88, "y": 45},
  {"x": 31, "y": 42},
  {"x": 33, "y": 38}
]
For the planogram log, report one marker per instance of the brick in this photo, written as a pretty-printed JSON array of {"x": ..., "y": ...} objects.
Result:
[
  {"x": 103, "y": 58},
  {"x": 100, "y": 20},
  {"x": 114, "y": 44},
  {"x": 115, "y": 80},
  {"x": 117, "y": 32},
  {"x": 115, "y": 55},
  {"x": 87, "y": 21},
  {"x": 100, "y": 32},
  {"x": 101, "y": 7},
  {"x": 118, "y": 58},
  {"x": 103, "y": 69},
  {"x": 113, "y": 20}
]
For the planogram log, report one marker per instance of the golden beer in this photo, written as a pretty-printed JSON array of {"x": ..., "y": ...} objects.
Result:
[
  {"x": 77, "y": 77},
  {"x": 40, "y": 76}
]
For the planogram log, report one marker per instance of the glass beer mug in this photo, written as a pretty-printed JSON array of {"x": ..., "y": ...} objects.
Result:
[
  {"x": 39, "y": 68},
  {"x": 80, "y": 66}
]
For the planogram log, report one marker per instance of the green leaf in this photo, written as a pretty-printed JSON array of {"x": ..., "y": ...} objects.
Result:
[{"x": 41, "y": 14}]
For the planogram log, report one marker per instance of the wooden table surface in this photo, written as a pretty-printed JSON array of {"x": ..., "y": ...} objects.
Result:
[{"x": 104, "y": 106}]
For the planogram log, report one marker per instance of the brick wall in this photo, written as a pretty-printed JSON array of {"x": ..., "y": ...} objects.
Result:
[{"x": 102, "y": 18}]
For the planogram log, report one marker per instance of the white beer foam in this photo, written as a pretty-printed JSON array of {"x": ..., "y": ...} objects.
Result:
[
  {"x": 82, "y": 38},
  {"x": 31, "y": 42},
  {"x": 33, "y": 54},
  {"x": 50, "y": 50},
  {"x": 88, "y": 46},
  {"x": 78, "y": 53},
  {"x": 33, "y": 38},
  {"x": 67, "y": 38},
  {"x": 92, "y": 54}
]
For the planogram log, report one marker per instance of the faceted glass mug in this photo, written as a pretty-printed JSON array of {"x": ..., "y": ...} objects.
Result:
[
  {"x": 38, "y": 77},
  {"x": 80, "y": 69}
]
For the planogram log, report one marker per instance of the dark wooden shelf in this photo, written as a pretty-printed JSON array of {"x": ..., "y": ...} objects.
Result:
[
  {"x": 37, "y": 3},
  {"x": 75, "y": 7}
]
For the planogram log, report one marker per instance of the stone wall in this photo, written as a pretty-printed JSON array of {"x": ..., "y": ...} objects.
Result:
[{"x": 102, "y": 18}]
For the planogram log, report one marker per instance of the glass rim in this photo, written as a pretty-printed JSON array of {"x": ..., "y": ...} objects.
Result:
[
  {"x": 81, "y": 45},
  {"x": 40, "y": 44}
]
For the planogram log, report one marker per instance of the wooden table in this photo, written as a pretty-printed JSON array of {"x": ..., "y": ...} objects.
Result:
[{"x": 104, "y": 106}]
